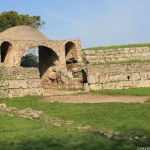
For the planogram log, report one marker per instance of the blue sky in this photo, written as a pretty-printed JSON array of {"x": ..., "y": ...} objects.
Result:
[{"x": 94, "y": 22}]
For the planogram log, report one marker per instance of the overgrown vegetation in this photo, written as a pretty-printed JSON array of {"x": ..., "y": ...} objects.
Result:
[
  {"x": 128, "y": 119},
  {"x": 118, "y": 46},
  {"x": 132, "y": 92},
  {"x": 30, "y": 60}
]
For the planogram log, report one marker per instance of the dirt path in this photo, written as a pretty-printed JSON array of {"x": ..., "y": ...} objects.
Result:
[{"x": 92, "y": 98}]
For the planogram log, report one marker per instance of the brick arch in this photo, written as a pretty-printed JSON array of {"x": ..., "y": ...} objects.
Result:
[{"x": 6, "y": 52}]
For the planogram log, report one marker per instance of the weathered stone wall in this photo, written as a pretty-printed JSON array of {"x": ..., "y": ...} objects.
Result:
[
  {"x": 18, "y": 82},
  {"x": 116, "y": 55},
  {"x": 118, "y": 76}
]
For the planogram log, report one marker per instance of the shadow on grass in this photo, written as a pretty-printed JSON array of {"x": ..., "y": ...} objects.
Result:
[{"x": 66, "y": 144}]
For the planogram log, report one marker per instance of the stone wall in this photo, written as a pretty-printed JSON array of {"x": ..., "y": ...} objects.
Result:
[
  {"x": 118, "y": 76},
  {"x": 18, "y": 82},
  {"x": 116, "y": 55}
]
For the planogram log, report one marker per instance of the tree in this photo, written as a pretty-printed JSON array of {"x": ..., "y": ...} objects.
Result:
[
  {"x": 12, "y": 18},
  {"x": 29, "y": 60}
]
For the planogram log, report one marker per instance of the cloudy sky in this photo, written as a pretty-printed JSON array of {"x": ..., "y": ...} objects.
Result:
[{"x": 94, "y": 22}]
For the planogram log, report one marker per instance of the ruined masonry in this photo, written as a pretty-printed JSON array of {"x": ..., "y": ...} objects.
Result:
[
  {"x": 58, "y": 60},
  {"x": 61, "y": 65}
]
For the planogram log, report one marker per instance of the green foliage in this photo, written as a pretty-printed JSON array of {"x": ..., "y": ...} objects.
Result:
[
  {"x": 12, "y": 18},
  {"x": 118, "y": 46},
  {"x": 29, "y": 60},
  {"x": 132, "y": 92}
]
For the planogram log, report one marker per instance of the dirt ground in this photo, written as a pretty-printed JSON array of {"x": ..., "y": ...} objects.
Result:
[{"x": 93, "y": 98}]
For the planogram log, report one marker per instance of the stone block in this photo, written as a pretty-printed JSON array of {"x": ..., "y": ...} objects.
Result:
[
  {"x": 4, "y": 83},
  {"x": 95, "y": 87},
  {"x": 17, "y": 84},
  {"x": 35, "y": 91},
  {"x": 91, "y": 57},
  {"x": 119, "y": 85},
  {"x": 144, "y": 83},
  {"x": 34, "y": 83},
  {"x": 127, "y": 83},
  {"x": 92, "y": 79},
  {"x": 4, "y": 93},
  {"x": 148, "y": 75},
  {"x": 135, "y": 76},
  {"x": 110, "y": 86},
  {"x": 90, "y": 52},
  {"x": 17, "y": 93},
  {"x": 120, "y": 78},
  {"x": 144, "y": 76},
  {"x": 104, "y": 79}
]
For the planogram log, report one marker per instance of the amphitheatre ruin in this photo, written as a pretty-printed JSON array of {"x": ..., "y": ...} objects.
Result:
[{"x": 62, "y": 64}]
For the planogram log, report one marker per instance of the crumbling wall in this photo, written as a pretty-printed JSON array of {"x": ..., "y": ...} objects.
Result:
[{"x": 18, "y": 82}]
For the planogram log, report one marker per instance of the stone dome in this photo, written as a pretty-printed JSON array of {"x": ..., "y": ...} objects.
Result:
[{"x": 22, "y": 33}]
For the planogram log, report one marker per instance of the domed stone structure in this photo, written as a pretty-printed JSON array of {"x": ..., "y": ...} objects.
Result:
[{"x": 22, "y": 33}]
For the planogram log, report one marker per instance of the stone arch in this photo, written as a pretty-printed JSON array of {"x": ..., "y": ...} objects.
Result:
[
  {"x": 6, "y": 53},
  {"x": 48, "y": 64},
  {"x": 70, "y": 52}
]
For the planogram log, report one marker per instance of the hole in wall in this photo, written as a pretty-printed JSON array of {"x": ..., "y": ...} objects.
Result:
[
  {"x": 84, "y": 76},
  {"x": 128, "y": 77}
]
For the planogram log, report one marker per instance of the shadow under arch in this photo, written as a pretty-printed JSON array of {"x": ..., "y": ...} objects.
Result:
[
  {"x": 6, "y": 53},
  {"x": 47, "y": 62},
  {"x": 70, "y": 52}
]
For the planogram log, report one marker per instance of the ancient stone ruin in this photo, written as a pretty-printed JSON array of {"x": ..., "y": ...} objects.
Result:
[
  {"x": 61, "y": 65},
  {"x": 57, "y": 60}
]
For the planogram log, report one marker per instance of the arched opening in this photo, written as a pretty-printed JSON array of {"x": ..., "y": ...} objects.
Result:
[
  {"x": 70, "y": 53},
  {"x": 6, "y": 53},
  {"x": 48, "y": 66},
  {"x": 30, "y": 58},
  {"x": 47, "y": 63}
]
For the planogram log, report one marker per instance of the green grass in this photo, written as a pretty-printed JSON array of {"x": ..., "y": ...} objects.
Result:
[
  {"x": 131, "y": 92},
  {"x": 22, "y": 134},
  {"x": 118, "y": 46},
  {"x": 119, "y": 117}
]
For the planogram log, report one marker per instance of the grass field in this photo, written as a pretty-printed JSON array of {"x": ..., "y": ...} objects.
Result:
[
  {"x": 18, "y": 133},
  {"x": 131, "y": 92},
  {"x": 118, "y": 46}
]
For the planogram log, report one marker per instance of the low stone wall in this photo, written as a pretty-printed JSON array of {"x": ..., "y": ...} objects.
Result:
[
  {"x": 18, "y": 82},
  {"x": 116, "y": 55},
  {"x": 117, "y": 76}
]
